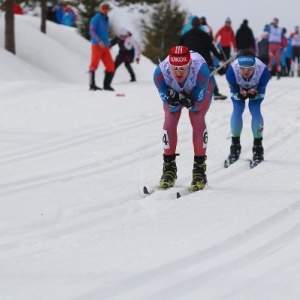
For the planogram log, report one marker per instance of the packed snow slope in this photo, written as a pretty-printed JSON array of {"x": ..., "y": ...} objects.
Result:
[{"x": 74, "y": 223}]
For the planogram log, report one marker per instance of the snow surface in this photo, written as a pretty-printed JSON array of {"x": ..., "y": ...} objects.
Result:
[{"x": 74, "y": 223}]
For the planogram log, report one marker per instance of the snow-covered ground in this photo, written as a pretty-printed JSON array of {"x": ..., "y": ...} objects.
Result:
[{"x": 74, "y": 223}]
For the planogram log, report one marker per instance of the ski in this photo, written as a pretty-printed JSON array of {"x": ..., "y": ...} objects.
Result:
[
  {"x": 188, "y": 191},
  {"x": 228, "y": 162},
  {"x": 184, "y": 191},
  {"x": 254, "y": 163},
  {"x": 147, "y": 192}
]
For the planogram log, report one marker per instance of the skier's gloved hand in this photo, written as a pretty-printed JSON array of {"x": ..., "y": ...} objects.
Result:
[
  {"x": 185, "y": 100},
  {"x": 172, "y": 98},
  {"x": 252, "y": 93},
  {"x": 242, "y": 95}
]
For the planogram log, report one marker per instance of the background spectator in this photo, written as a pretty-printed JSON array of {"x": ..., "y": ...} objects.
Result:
[
  {"x": 199, "y": 41},
  {"x": 129, "y": 50},
  {"x": 277, "y": 44},
  {"x": 18, "y": 9},
  {"x": 69, "y": 15},
  {"x": 99, "y": 32},
  {"x": 225, "y": 37},
  {"x": 262, "y": 48},
  {"x": 295, "y": 40},
  {"x": 244, "y": 37}
]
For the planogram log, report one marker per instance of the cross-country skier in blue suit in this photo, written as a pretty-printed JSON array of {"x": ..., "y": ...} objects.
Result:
[{"x": 248, "y": 78}]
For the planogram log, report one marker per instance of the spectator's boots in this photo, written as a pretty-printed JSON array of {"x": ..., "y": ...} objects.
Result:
[
  {"x": 107, "y": 81},
  {"x": 130, "y": 70},
  {"x": 279, "y": 74},
  {"x": 169, "y": 175},
  {"x": 235, "y": 150},
  {"x": 133, "y": 79},
  {"x": 199, "y": 178},
  {"x": 258, "y": 150},
  {"x": 93, "y": 86}
]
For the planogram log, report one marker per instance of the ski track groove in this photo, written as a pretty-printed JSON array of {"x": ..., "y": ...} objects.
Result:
[
  {"x": 71, "y": 141},
  {"x": 128, "y": 287},
  {"x": 98, "y": 214},
  {"x": 87, "y": 170}
]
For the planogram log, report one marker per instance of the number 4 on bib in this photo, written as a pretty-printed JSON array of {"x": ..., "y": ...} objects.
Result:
[{"x": 165, "y": 140}]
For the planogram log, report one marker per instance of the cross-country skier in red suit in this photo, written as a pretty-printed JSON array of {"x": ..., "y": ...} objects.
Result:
[{"x": 183, "y": 81}]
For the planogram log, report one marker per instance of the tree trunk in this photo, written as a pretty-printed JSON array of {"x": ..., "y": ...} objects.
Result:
[
  {"x": 43, "y": 15},
  {"x": 10, "y": 27}
]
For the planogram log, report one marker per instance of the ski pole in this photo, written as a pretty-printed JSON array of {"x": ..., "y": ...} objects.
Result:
[
  {"x": 271, "y": 63},
  {"x": 228, "y": 61},
  {"x": 158, "y": 59},
  {"x": 223, "y": 53}
]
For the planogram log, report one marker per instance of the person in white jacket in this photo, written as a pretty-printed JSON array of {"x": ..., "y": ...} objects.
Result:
[{"x": 129, "y": 51}]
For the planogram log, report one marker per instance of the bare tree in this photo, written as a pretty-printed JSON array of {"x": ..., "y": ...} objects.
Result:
[
  {"x": 10, "y": 26},
  {"x": 43, "y": 15}
]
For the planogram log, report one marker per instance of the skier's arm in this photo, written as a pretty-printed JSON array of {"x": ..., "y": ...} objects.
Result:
[
  {"x": 160, "y": 84},
  {"x": 234, "y": 87},
  {"x": 263, "y": 81},
  {"x": 199, "y": 92}
]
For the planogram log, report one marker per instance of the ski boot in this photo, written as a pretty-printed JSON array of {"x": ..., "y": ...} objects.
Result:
[
  {"x": 235, "y": 150},
  {"x": 258, "y": 153},
  {"x": 218, "y": 96},
  {"x": 169, "y": 175},
  {"x": 199, "y": 178}
]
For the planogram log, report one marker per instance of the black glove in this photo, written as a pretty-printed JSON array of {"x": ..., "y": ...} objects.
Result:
[
  {"x": 252, "y": 93},
  {"x": 172, "y": 98},
  {"x": 242, "y": 95},
  {"x": 185, "y": 100}
]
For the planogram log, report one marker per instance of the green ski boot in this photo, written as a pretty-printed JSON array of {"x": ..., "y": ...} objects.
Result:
[
  {"x": 169, "y": 175},
  {"x": 199, "y": 178}
]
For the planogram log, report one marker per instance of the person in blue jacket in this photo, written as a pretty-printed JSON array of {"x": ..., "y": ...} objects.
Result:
[
  {"x": 188, "y": 26},
  {"x": 248, "y": 78},
  {"x": 183, "y": 81},
  {"x": 100, "y": 51}
]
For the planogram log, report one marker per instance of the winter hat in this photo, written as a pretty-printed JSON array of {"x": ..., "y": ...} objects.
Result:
[
  {"x": 196, "y": 22},
  {"x": 123, "y": 31},
  {"x": 246, "y": 61},
  {"x": 228, "y": 20},
  {"x": 179, "y": 56},
  {"x": 105, "y": 5}
]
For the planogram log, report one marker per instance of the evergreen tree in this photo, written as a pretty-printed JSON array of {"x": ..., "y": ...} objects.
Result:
[
  {"x": 86, "y": 10},
  {"x": 127, "y": 2},
  {"x": 163, "y": 32}
]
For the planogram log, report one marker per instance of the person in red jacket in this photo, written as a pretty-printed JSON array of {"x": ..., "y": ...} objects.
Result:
[
  {"x": 225, "y": 37},
  {"x": 18, "y": 9}
]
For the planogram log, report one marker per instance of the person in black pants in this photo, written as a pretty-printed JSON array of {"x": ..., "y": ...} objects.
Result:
[
  {"x": 129, "y": 51},
  {"x": 199, "y": 41}
]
